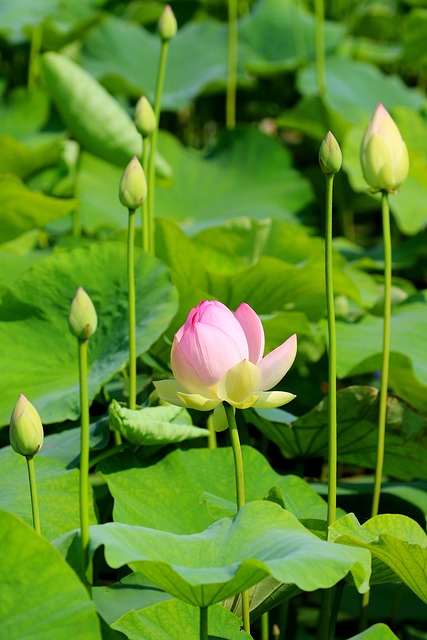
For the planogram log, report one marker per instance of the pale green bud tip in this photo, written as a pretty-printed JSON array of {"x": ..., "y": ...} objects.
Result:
[
  {"x": 26, "y": 429},
  {"x": 167, "y": 24},
  {"x": 330, "y": 156},
  {"x": 133, "y": 185},
  {"x": 383, "y": 154},
  {"x": 145, "y": 119},
  {"x": 82, "y": 319}
]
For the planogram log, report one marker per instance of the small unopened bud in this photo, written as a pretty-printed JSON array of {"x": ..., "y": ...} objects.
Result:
[
  {"x": 167, "y": 26},
  {"x": 383, "y": 154},
  {"x": 133, "y": 185},
  {"x": 82, "y": 318},
  {"x": 330, "y": 157},
  {"x": 26, "y": 429},
  {"x": 145, "y": 119}
]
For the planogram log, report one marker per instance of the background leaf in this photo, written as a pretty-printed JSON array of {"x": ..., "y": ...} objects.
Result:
[
  {"x": 357, "y": 414},
  {"x": 31, "y": 318},
  {"x": 178, "y": 490},
  {"x": 56, "y": 485},
  {"x": 174, "y": 619}
]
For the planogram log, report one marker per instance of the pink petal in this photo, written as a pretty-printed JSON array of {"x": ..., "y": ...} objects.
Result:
[
  {"x": 277, "y": 363},
  {"x": 202, "y": 357},
  {"x": 254, "y": 331}
]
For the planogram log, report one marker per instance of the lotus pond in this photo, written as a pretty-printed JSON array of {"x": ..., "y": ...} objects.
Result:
[{"x": 213, "y": 308}]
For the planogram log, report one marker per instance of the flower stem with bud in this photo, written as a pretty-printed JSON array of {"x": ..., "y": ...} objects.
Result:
[
  {"x": 84, "y": 455},
  {"x": 132, "y": 193},
  {"x": 330, "y": 160},
  {"x": 386, "y": 353},
  {"x": 26, "y": 438},
  {"x": 145, "y": 121},
  {"x": 83, "y": 322},
  {"x": 131, "y": 310},
  {"x": 33, "y": 494},
  {"x": 167, "y": 28}
]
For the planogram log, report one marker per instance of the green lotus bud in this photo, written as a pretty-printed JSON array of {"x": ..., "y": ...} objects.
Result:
[
  {"x": 26, "y": 429},
  {"x": 133, "y": 185},
  {"x": 330, "y": 156},
  {"x": 383, "y": 155},
  {"x": 82, "y": 318},
  {"x": 167, "y": 26},
  {"x": 145, "y": 119}
]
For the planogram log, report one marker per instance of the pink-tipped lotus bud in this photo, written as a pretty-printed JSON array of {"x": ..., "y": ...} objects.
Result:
[
  {"x": 383, "y": 155},
  {"x": 82, "y": 318},
  {"x": 26, "y": 429},
  {"x": 167, "y": 26},
  {"x": 133, "y": 185},
  {"x": 330, "y": 156},
  {"x": 145, "y": 119}
]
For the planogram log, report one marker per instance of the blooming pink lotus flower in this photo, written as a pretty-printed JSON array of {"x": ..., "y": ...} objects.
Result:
[{"x": 217, "y": 356}]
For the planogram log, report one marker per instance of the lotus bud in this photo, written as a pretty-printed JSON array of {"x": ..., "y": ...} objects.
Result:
[
  {"x": 133, "y": 185},
  {"x": 82, "y": 318},
  {"x": 383, "y": 155},
  {"x": 330, "y": 156},
  {"x": 145, "y": 119},
  {"x": 26, "y": 429},
  {"x": 167, "y": 26}
]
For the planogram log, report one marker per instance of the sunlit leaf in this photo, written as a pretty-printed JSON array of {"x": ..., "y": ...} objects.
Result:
[
  {"x": 396, "y": 540},
  {"x": 153, "y": 425},
  {"x": 232, "y": 555}
]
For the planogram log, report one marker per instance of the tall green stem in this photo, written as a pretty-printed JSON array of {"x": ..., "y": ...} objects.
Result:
[
  {"x": 230, "y": 108},
  {"x": 145, "y": 229},
  {"x": 320, "y": 47},
  {"x": 325, "y": 613},
  {"x": 240, "y": 492},
  {"x": 204, "y": 623},
  {"x": 33, "y": 494},
  {"x": 84, "y": 454},
  {"x": 131, "y": 310},
  {"x": 386, "y": 353},
  {"x": 265, "y": 631},
  {"x": 384, "y": 380},
  {"x": 153, "y": 146},
  {"x": 332, "y": 349}
]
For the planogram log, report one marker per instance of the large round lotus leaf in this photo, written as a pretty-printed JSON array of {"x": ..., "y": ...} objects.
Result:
[
  {"x": 232, "y": 555},
  {"x": 41, "y": 596},
  {"x": 39, "y": 354}
]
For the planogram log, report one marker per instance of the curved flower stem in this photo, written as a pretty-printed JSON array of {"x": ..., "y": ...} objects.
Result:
[
  {"x": 384, "y": 379},
  {"x": 145, "y": 217},
  {"x": 240, "y": 491},
  {"x": 325, "y": 613},
  {"x": 230, "y": 105},
  {"x": 131, "y": 310},
  {"x": 84, "y": 455},
  {"x": 320, "y": 47},
  {"x": 204, "y": 623},
  {"x": 153, "y": 145},
  {"x": 33, "y": 494}
]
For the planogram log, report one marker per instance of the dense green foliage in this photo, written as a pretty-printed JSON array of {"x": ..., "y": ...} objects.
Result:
[{"x": 239, "y": 216}]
